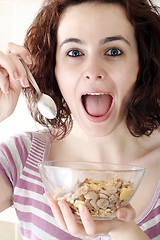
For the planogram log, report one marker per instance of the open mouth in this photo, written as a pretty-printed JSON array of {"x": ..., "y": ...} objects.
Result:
[{"x": 97, "y": 104}]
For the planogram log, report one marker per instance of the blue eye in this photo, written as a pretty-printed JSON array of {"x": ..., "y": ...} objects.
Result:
[
  {"x": 114, "y": 52},
  {"x": 74, "y": 53}
]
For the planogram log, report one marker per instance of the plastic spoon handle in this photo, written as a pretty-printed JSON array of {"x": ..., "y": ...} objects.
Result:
[{"x": 30, "y": 77}]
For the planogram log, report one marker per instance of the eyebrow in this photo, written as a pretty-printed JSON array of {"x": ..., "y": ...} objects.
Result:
[
  {"x": 75, "y": 40},
  {"x": 114, "y": 38},
  {"x": 101, "y": 42}
]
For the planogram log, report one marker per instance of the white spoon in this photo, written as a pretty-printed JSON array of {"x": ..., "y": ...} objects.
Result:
[{"x": 45, "y": 104}]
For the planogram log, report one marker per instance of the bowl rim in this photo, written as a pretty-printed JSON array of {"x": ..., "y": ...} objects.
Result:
[{"x": 123, "y": 167}]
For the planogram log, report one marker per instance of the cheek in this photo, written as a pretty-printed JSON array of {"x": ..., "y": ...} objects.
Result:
[
  {"x": 127, "y": 80},
  {"x": 65, "y": 85},
  {"x": 61, "y": 78},
  {"x": 66, "y": 79}
]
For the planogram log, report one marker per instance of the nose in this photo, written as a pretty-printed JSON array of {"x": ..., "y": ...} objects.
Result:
[{"x": 94, "y": 70}]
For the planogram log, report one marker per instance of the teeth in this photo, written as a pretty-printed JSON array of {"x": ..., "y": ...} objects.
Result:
[{"x": 95, "y": 94}]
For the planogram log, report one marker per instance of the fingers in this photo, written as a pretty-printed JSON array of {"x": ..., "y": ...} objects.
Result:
[
  {"x": 73, "y": 227},
  {"x": 56, "y": 212},
  {"x": 65, "y": 217},
  {"x": 20, "y": 73},
  {"x": 67, "y": 221},
  {"x": 8, "y": 65},
  {"x": 88, "y": 226},
  {"x": 93, "y": 227},
  {"x": 12, "y": 77},
  {"x": 11, "y": 69},
  {"x": 126, "y": 214},
  {"x": 19, "y": 51},
  {"x": 87, "y": 220},
  {"x": 4, "y": 85}
]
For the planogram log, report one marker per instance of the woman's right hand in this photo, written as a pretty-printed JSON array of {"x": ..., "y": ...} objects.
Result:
[
  {"x": 123, "y": 227},
  {"x": 12, "y": 78},
  {"x": 88, "y": 227}
]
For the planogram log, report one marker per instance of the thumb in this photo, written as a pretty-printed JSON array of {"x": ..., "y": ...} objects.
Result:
[{"x": 126, "y": 214}]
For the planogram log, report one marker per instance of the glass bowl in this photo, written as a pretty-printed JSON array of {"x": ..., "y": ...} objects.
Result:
[{"x": 102, "y": 187}]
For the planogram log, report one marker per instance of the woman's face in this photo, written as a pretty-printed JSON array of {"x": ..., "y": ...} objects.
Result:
[{"x": 96, "y": 64}]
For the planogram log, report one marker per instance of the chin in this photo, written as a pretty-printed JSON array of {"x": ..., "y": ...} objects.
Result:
[{"x": 98, "y": 129}]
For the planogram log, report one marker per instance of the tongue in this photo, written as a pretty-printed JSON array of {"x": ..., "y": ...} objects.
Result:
[{"x": 97, "y": 105}]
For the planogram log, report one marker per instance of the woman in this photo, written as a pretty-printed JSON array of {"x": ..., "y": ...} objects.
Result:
[{"x": 99, "y": 61}]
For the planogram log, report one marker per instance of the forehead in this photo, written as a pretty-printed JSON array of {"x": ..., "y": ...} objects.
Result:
[{"x": 91, "y": 18}]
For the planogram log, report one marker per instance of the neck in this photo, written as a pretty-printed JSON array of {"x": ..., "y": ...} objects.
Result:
[{"x": 118, "y": 147}]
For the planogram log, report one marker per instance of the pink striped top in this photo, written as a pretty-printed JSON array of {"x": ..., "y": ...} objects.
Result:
[{"x": 19, "y": 157}]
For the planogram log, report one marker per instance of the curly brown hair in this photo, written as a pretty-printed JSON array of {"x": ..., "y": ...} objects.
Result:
[{"x": 143, "y": 110}]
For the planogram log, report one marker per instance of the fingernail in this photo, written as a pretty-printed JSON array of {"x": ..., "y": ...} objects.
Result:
[
  {"x": 122, "y": 214},
  {"x": 29, "y": 61},
  {"x": 16, "y": 77},
  {"x": 47, "y": 198},
  {"x": 82, "y": 208},
  {"x": 45, "y": 195},
  {"x": 61, "y": 204},
  {"x": 25, "y": 82},
  {"x": 6, "y": 91}
]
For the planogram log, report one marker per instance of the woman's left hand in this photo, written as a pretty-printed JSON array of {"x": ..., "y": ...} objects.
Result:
[{"x": 88, "y": 227}]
